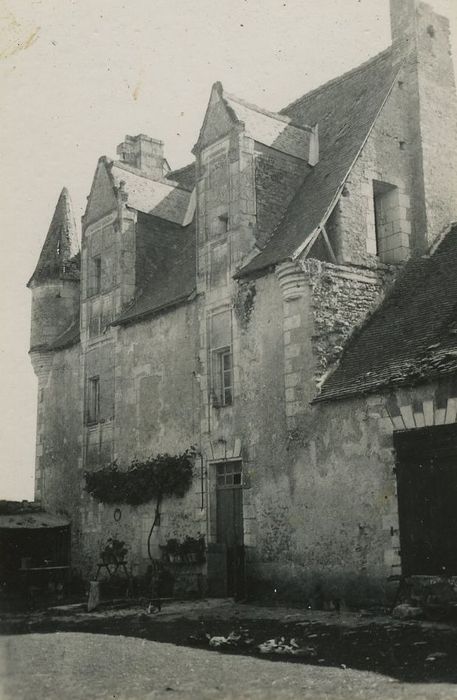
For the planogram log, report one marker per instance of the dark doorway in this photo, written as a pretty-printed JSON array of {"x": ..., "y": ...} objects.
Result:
[
  {"x": 427, "y": 499},
  {"x": 229, "y": 523}
]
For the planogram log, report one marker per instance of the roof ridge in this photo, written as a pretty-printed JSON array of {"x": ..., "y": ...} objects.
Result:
[
  {"x": 341, "y": 78},
  {"x": 134, "y": 171}
]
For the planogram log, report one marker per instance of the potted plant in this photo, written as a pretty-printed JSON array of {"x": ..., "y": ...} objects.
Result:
[
  {"x": 114, "y": 551},
  {"x": 173, "y": 549},
  {"x": 193, "y": 549}
]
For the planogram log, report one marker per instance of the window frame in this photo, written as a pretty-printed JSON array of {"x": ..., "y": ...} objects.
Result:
[
  {"x": 222, "y": 377},
  {"x": 93, "y": 400}
]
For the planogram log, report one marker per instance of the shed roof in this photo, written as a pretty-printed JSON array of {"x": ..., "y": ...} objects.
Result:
[
  {"x": 28, "y": 515},
  {"x": 412, "y": 336}
]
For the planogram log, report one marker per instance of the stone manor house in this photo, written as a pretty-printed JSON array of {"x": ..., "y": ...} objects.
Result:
[{"x": 287, "y": 303}]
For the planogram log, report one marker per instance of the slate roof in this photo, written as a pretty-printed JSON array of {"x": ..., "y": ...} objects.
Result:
[
  {"x": 165, "y": 267},
  {"x": 345, "y": 110},
  {"x": 412, "y": 336},
  {"x": 271, "y": 129},
  {"x": 185, "y": 177},
  {"x": 151, "y": 197},
  {"x": 61, "y": 245}
]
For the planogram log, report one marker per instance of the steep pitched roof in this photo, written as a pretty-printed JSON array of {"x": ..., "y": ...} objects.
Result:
[
  {"x": 412, "y": 336},
  {"x": 271, "y": 129},
  {"x": 345, "y": 110},
  {"x": 165, "y": 267},
  {"x": 61, "y": 244},
  {"x": 184, "y": 177},
  {"x": 160, "y": 199}
]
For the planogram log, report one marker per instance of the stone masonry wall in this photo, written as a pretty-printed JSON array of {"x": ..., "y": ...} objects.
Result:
[
  {"x": 386, "y": 158},
  {"x": 276, "y": 179},
  {"x": 156, "y": 411},
  {"x": 342, "y": 297},
  {"x": 58, "y": 474}
]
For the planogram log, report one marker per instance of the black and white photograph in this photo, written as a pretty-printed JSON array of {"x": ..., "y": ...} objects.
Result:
[{"x": 228, "y": 350}]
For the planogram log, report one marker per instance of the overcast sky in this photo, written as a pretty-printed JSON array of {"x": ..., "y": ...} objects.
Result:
[{"x": 76, "y": 76}]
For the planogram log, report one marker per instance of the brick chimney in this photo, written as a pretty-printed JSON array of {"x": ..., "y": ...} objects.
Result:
[{"x": 144, "y": 153}]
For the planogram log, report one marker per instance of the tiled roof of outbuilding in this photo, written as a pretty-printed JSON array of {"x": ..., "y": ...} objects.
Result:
[
  {"x": 165, "y": 267},
  {"x": 412, "y": 336},
  {"x": 345, "y": 110}
]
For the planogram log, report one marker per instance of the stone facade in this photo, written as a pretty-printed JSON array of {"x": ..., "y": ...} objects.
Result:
[{"x": 233, "y": 368}]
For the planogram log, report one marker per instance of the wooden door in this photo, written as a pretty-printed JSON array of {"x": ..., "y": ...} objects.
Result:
[
  {"x": 229, "y": 523},
  {"x": 427, "y": 500}
]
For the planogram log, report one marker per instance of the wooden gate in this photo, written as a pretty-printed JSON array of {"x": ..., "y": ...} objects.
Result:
[
  {"x": 427, "y": 499},
  {"x": 229, "y": 523}
]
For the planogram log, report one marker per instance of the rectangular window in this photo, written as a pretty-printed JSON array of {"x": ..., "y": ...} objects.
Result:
[
  {"x": 222, "y": 377},
  {"x": 93, "y": 400},
  {"x": 228, "y": 474},
  {"x": 221, "y": 357},
  {"x": 100, "y": 315},
  {"x": 389, "y": 239}
]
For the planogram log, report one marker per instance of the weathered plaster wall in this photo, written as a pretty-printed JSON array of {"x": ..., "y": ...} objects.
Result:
[
  {"x": 156, "y": 411},
  {"x": 437, "y": 115},
  {"x": 55, "y": 305}
]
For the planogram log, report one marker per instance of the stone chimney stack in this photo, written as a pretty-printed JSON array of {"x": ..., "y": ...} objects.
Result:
[
  {"x": 144, "y": 153},
  {"x": 428, "y": 84},
  {"x": 402, "y": 17}
]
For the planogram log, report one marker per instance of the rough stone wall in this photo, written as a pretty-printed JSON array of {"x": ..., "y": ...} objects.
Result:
[
  {"x": 276, "y": 180},
  {"x": 342, "y": 297}
]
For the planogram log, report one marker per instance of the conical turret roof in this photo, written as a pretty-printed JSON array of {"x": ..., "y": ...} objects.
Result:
[{"x": 61, "y": 244}]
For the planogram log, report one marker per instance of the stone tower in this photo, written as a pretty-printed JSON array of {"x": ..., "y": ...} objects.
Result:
[
  {"x": 55, "y": 281},
  {"x": 429, "y": 82}
]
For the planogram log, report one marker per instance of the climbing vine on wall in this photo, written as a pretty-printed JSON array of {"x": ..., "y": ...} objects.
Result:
[
  {"x": 154, "y": 479},
  {"x": 243, "y": 302}
]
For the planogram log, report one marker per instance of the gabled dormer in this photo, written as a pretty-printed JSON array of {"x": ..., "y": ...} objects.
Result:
[{"x": 250, "y": 163}]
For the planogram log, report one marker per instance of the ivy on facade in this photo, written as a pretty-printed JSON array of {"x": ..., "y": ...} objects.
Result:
[{"x": 153, "y": 479}]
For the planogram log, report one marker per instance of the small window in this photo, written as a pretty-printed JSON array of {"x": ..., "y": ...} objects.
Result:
[
  {"x": 93, "y": 400},
  {"x": 222, "y": 377},
  {"x": 229, "y": 474},
  {"x": 388, "y": 235}
]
